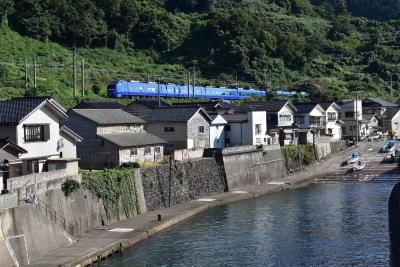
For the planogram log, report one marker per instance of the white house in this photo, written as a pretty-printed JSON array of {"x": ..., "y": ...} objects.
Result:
[
  {"x": 280, "y": 119},
  {"x": 351, "y": 113},
  {"x": 333, "y": 126},
  {"x": 246, "y": 129},
  {"x": 33, "y": 123},
  {"x": 217, "y": 131},
  {"x": 311, "y": 119}
]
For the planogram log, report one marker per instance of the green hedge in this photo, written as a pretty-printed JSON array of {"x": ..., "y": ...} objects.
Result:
[
  {"x": 113, "y": 186},
  {"x": 298, "y": 156}
]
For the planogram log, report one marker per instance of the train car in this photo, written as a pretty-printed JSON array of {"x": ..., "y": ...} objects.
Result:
[{"x": 121, "y": 88}]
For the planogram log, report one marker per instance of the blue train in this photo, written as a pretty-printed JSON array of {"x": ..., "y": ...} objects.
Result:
[{"x": 141, "y": 89}]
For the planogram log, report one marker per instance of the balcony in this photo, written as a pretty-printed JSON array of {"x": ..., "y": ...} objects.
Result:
[{"x": 317, "y": 122}]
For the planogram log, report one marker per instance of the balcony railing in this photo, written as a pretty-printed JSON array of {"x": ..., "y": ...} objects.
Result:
[{"x": 317, "y": 122}]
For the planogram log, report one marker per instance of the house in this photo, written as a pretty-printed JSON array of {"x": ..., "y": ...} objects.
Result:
[
  {"x": 112, "y": 137},
  {"x": 33, "y": 124},
  {"x": 376, "y": 106},
  {"x": 333, "y": 126},
  {"x": 311, "y": 120},
  {"x": 98, "y": 104},
  {"x": 374, "y": 122},
  {"x": 10, "y": 164},
  {"x": 182, "y": 127},
  {"x": 280, "y": 119},
  {"x": 217, "y": 131},
  {"x": 351, "y": 115},
  {"x": 390, "y": 120},
  {"x": 246, "y": 129},
  {"x": 211, "y": 106},
  {"x": 141, "y": 107}
]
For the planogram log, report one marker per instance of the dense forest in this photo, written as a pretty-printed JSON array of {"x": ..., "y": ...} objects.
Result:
[{"x": 327, "y": 47}]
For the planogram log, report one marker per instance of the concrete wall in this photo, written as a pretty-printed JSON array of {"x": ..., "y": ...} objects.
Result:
[
  {"x": 186, "y": 154},
  {"x": 125, "y": 128},
  {"x": 26, "y": 235},
  {"x": 248, "y": 166},
  {"x": 69, "y": 146},
  {"x": 189, "y": 180}
]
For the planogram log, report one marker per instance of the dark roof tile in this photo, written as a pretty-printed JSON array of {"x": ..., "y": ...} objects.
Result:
[
  {"x": 133, "y": 139},
  {"x": 108, "y": 116}
]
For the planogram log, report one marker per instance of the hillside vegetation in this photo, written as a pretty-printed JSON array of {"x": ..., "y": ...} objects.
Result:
[{"x": 326, "y": 48}]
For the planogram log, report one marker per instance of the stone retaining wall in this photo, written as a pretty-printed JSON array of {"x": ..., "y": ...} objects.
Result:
[{"x": 189, "y": 180}]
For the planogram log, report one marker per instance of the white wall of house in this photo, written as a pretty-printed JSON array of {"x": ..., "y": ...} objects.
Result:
[
  {"x": 217, "y": 132},
  {"x": 252, "y": 132},
  {"x": 258, "y": 127},
  {"x": 46, "y": 148},
  {"x": 141, "y": 154},
  {"x": 333, "y": 128},
  {"x": 285, "y": 116},
  {"x": 68, "y": 147}
]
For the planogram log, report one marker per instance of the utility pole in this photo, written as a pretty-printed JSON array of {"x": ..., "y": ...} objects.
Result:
[
  {"x": 194, "y": 75},
  {"x": 74, "y": 71},
  {"x": 391, "y": 83},
  {"x": 158, "y": 91},
  {"x": 357, "y": 116},
  {"x": 188, "y": 81},
  {"x": 26, "y": 75},
  {"x": 236, "y": 82},
  {"x": 83, "y": 76},
  {"x": 34, "y": 73}
]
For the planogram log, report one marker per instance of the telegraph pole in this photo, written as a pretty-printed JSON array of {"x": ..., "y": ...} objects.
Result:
[
  {"x": 83, "y": 76},
  {"x": 34, "y": 73},
  {"x": 194, "y": 75},
  {"x": 26, "y": 75},
  {"x": 357, "y": 117},
  {"x": 74, "y": 71},
  {"x": 188, "y": 85}
]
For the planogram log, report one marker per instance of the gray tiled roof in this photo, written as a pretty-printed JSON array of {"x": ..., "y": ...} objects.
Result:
[
  {"x": 71, "y": 133},
  {"x": 108, "y": 116},
  {"x": 6, "y": 142},
  {"x": 97, "y": 104},
  {"x": 209, "y": 106},
  {"x": 237, "y": 117},
  {"x": 372, "y": 101},
  {"x": 152, "y": 103},
  {"x": 305, "y": 107},
  {"x": 15, "y": 109},
  {"x": 391, "y": 112},
  {"x": 133, "y": 139},
  {"x": 268, "y": 106},
  {"x": 173, "y": 114}
]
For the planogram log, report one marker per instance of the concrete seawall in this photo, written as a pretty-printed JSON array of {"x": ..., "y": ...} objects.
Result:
[{"x": 249, "y": 166}]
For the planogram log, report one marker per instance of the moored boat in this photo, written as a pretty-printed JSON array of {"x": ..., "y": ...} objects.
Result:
[
  {"x": 389, "y": 146},
  {"x": 359, "y": 165},
  {"x": 353, "y": 158}
]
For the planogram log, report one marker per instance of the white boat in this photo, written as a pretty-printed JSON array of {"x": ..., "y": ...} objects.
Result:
[
  {"x": 359, "y": 165},
  {"x": 353, "y": 158},
  {"x": 389, "y": 146}
]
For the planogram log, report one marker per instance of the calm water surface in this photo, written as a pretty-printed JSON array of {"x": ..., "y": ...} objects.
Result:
[{"x": 320, "y": 225}]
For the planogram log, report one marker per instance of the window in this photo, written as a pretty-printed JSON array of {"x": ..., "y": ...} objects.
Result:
[
  {"x": 258, "y": 129},
  {"x": 331, "y": 116},
  {"x": 344, "y": 130},
  {"x": 299, "y": 119},
  {"x": 34, "y": 133},
  {"x": 227, "y": 128},
  {"x": 169, "y": 129},
  {"x": 285, "y": 118},
  {"x": 133, "y": 152},
  {"x": 201, "y": 143},
  {"x": 330, "y": 131},
  {"x": 147, "y": 150},
  {"x": 349, "y": 114},
  {"x": 258, "y": 140},
  {"x": 201, "y": 129},
  {"x": 157, "y": 150}
]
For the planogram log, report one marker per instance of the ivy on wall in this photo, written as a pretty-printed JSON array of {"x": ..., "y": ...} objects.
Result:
[
  {"x": 114, "y": 186},
  {"x": 297, "y": 157}
]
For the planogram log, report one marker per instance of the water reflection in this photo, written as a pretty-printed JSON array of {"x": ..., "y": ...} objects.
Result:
[{"x": 321, "y": 225}]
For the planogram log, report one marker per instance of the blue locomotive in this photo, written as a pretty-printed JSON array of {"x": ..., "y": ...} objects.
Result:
[{"x": 142, "y": 89}]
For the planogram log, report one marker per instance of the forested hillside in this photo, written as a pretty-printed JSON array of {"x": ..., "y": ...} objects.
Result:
[{"x": 325, "y": 47}]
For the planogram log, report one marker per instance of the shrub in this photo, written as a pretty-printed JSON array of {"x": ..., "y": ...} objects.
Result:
[{"x": 70, "y": 186}]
